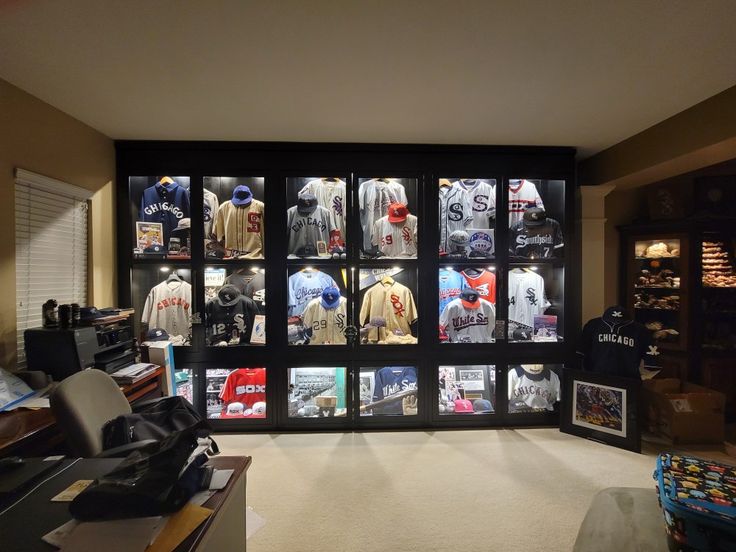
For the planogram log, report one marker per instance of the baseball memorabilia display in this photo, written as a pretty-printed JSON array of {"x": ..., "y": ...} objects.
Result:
[
  {"x": 451, "y": 283},
  {"x": 394, "y": 303},
  {"x": 395, "y": 235},
  {"x": 523, "y": 194},
  {"x": 326, "y": 318},
  {"x": 330, "y": 194},
  {"x": 168, "y": 306},
  {"x": 308, "y": 224},
  {"x": 243, "y": 394},
  {"x": 532, "y": 387},
  {"x": 545, "y": 327},
  {"x": 469, "y": 318},
  {"x": 455, "y": 211},
  {"x": 374, "y": 198},
  {"x": 166, "y": 202},
  {"x": 474, "y": 385},
  {"x": 481, "y": 280},
  {"x": 149, "y": 237},
  {"x": 481, "y": 243},
  {"x": 239, "y": 225},
  {"x": 305, "y": 285},
  {"x": 251, "y": 283},
  {"x": 317, "y": 392},
  {"x": 229, "y": 317},
  {"x": 616, "y": 345},
  {"x": 536, "y": 236},
  {"x": 211, "y": 205},
  {"x": 527, "y": 297},
  {"x": 482, "y": 196},
  {"x": 394, "y": 392}
]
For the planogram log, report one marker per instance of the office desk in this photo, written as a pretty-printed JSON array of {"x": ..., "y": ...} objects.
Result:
[{"x": 24, "y": 524}]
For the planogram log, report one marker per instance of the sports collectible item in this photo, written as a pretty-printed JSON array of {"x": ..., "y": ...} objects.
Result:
[
  {"x": 230, "y": 317},
  {"x": 304, "y": 286},
  {"x": 239, "y": 224},
  {"x": 244, "y": 389},
  {"x": 330, "y": 194},
  {"x": 469, "y": 319},
  {"x": 251, "y": 284},
  {"x": 455, "y": 211},
  {"x": 451, "y": 283},
  {"x": 393, "y": 382},
  {"x": 168, "y": 306},
  {"x": 532, "y": 387},
  {"x": 394, "y": 303},
  {"x": 527, "y": 297},
  {"x": 395, "y": 235},
  {"x": 374, "y": 198},
  {"x": 326, "y": 318},
  {"x": 481, "y": 280},
  {"x": 165, "y": 202},
  {"x": 523, "y": 194},
  {"x": 481, "y": 243},
  {"x": 211, "y": 205},
  {"x": 536, "y": 236},
  {"x": 308, "y": 224},
  {"x": 482, "y": 196}
]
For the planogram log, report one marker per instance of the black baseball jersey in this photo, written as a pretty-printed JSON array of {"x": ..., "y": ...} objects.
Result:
[
  {"x": 539, "y": 242},
  {"x": 251, "y": 285},
  {"x": 616, "y": 348},
  {"x": 230, "y": 319}
]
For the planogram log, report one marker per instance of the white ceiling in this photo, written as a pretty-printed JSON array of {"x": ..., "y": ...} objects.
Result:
[{"x": 585, "y": 73}]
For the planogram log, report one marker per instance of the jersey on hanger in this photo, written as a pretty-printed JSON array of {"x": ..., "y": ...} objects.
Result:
[
  {"x": 307, "y": 230},
  {"x": 242, "y": 228},
  {"x": 305, "y": 286},
  {"x": 455, "y": 211},
  {"x": 396, "y": 239},
  {"x": 482, "y": 196},
  {"x": 374, "y": 197},
  {"x": 230, "y": 319},
  {"x": 330, "y": 195},
  {"x": 451, "y": 284},
  {"x": 167, "y": 204},
  {"x": 540, "y": 242},
  {"x": 484, "y": 283},
  {"x": 389, "y": 381},
  {"x": 527, "y": 297},
  {"x": 466, "y": 325},
  {"x": 244, "y": 385},
  {"x": 211, "y": 204},
  {"x": 393, "y": 302},
  {"x": 327, "y": 325},
  {"x": 168, "y": 306},
  {"x": 616, "y": 349},
  {"x": 522, "y": 195},
  {"x": 528, "y": 391}
]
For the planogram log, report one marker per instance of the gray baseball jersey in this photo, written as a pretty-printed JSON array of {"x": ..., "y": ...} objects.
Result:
[
  {"x": 465, "y": 325},
  {"x": 396, "y": 239},
  {"x": 482, "y": 196},
  {"x": 374, "y": 197},
  {"x": 393, "y": 302},
  {"x": 328, "y": 325},
  {"x": 455, "y": 211},
  {"x": 168, "y": 306},
  {"x": 331, "y": 196},
  {"x": 305, "y": 286},
  {"x": 309, "y": 229},
  {"x": 211, "y": 204},
  {"x": 527, "y": 297},
  {"x": 529, "y": 391}
]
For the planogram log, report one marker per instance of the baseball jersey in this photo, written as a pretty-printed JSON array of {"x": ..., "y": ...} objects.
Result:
[
  {"x": 244, "y": 385},
  {"x": 305, "y": 286},
  {"x": 484, "y": 283},
  {"x": 528, "y": 391},
  {"x": 242, "y": 228},
  {"x": 391, "y": 380},
  {"x": 540, "y": 242},
  {"x": 616, "y": 348},
  {"x": 522, "y": 195},
  {"x": 455, "y": 211},
  {"x": 211, "y": 204},
  {"x": 451, "y": 284},
  {"x": 374, "y": 197},
  {"x": 226, "y": 319},
  {"x": 307, "y": 229},
  {"x": 482, "y": 196},
  {"x": 251, "y": 285},
  {"x": 328, "y": 325},
  {"x": 393, "y": 302},
  {"x": 167, "y": 204},
  {"x": 330, "y": 195},
  {"x": 396, "y": 239},
  {"x": 527, "y": 297},
  {"x": 168, "y": 306},
  {"x": 464, "y": 325}
]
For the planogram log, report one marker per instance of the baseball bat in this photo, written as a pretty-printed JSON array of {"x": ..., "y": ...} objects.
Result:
[{"x": 389, "y": 400}]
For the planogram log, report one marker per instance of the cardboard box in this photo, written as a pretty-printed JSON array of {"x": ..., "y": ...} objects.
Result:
[
  {"x": 683, "y": 412},
  {"x": 326, "y": 401}
]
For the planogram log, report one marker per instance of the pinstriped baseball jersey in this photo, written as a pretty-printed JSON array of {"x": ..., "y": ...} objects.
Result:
[
  {"x": 522, "y": 195},
  {"x": 455, "y": 211},
  {"x": 482, "y": 195},
  {"x": 331, "y": 196},
  {"x": 309, "y": 229},
  {"x": 241, "y": 228},
  {"x": 527, "y": 297},
  {"x": 396, "y": 239},
  {"x": 328, "y": 325},
  {"x": 211, "y": 204},
  {"x": 465, "y": 325},
  {"x": 374, "y": 197},
  {"x": 393, "y": 302}
]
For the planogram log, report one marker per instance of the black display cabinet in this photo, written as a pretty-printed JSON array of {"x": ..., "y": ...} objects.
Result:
[{"x": 456, "y": 268}]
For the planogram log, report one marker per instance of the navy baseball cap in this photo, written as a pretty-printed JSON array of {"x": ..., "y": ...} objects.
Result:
[
  {"x": 534, "y": 216},
  {"x": 90, "y": 313},
  {"x": 330, "y": 297},
  {"x": 307, "y": 251},
  {"x": 482, "y": 406},
  {"x": 469, "y": 298},
  {"x": 157, "y": 334},
  {"x": 306, "y": 204},
  {"x": 242, "y": 196}
]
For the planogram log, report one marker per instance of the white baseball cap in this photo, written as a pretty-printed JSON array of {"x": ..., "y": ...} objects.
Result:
[
  {"x": 235, "y": 408},
  {"x": 259, "y": 407}
]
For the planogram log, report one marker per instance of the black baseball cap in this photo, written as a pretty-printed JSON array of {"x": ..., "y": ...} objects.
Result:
[
  {"x": 534, "y": 216},
  {"x": 90, "y": 313},
  {"x": 157, "y": 334},
  {"x": 306, "y": 204}
]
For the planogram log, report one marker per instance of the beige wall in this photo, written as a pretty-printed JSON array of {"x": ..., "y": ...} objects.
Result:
[{"x": 42, "y": 139}]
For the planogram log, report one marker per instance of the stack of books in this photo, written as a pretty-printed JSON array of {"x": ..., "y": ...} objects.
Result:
[{"x": 133, "y": 373}]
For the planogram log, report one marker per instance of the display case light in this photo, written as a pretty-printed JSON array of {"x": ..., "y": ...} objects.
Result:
[
  {"x": 534, "y": 268},
  {"x": 165, "y": 269},
  {"x": 449, "y": 268},
  {"x": 308, "y": 268},
  {"x": 492, "y": 268},
  {"x": 396, "y": 268},
  {"x": 255, "y": 269}
]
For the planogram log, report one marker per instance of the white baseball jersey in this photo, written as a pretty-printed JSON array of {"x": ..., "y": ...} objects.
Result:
[
  {"x": 455, "y": 211},
  {"x": 211, "y": 204},
  {"x": 482, "y": 195},
  {"x": 168, "y": 306},
  {"x": 464, "y": 325},
  {"x": 328, "y": 325},
  {"x": 527, "y": 297},
  {"x": 396, "y": 239},
  {"x": 305, "y": 286},
  {"x": 241, "y": 227},
  {"x": 522, "y": 195},
  {"x": 393, "y": 302},
  {"x": 528, "y": 391},
  {"x": 308, "y": 229},
  {"x": 374, "y": 197},
  {"x": 331, "y": 196}
]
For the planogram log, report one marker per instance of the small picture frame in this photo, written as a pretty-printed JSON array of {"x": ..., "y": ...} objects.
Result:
[{"x": 602, "y": 408}]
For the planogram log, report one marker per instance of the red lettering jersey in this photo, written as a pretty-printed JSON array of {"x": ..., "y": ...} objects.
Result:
[
  {"x": 246, "y": 386},
  {"x": 484, "y": 283}
]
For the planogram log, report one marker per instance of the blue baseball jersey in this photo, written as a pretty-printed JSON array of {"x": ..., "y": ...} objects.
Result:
[
  {"x": 451, "y": 284},
  {"x": 167, "y": 204},
  {"x": 389, "y": 381},
  {"x": 305, "y": 286}
]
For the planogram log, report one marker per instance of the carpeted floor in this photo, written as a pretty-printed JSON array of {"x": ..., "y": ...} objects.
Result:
[{"x": 491, "y": 490}]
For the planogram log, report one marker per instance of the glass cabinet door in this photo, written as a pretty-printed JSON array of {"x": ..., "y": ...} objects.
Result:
[
  {"x": 317, "y": 392},
  {"x": 467, "y": 299},
  {"x": 388, "y": 209},
  {"x": 388, "y": 391},
  {"x": 317, "y": 305},
  {"x": 467, "y": 217},
  {"x": 533, "y": 388},
  {"x": 388, "y": 309},
  {"x": 466, "y": 390},
  {"x": 235, "y": 305}
]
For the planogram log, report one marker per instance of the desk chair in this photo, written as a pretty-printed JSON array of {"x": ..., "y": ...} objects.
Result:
[{"x": 82, "y": 404}]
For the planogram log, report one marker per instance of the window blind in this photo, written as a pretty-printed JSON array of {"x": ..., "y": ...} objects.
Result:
[{"x": 50, "y": 248}]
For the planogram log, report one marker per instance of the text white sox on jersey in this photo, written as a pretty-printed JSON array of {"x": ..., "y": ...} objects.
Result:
[
  {"x": 469, "y": 325},
  {"x": 396, "y": 239},
  {"x": 327, "y": 325}
]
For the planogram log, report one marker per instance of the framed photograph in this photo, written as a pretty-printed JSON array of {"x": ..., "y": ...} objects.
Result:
[
  {"x": 149, "y": 237},
  {"x": 601, "y": 408},
  {"x": 472, "y": 380}
]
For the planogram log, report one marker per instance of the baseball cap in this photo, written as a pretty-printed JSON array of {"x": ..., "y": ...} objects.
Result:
[
  {"x": 534, "y": 216},
  {"x": 235, "y": 408},
  {"x": 242, "y": 196},
  {"x": 306, "y": 204},
  {"x": 459, "y": 237},
  {"x": 184, "y": 224},
  {"x": 90, "y": 313},
  {"x": 397, "y": 212},
  {"x": 470, "y": 298},
  {"x": 330, "y": 297},
  {"x": 482, "y": 406},
  {"x": 463, "y": 406},
  {"x": 306, "y": 251},
  {"x": 154, "y": 249},
  {"x": 259, "y": 408},
  {"x": 157, "y": 334}
]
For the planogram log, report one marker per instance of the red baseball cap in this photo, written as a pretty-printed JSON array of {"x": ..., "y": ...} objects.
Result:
[
  {"x": 463, "y": 406},
  {"x": 397, "y": 212}
]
